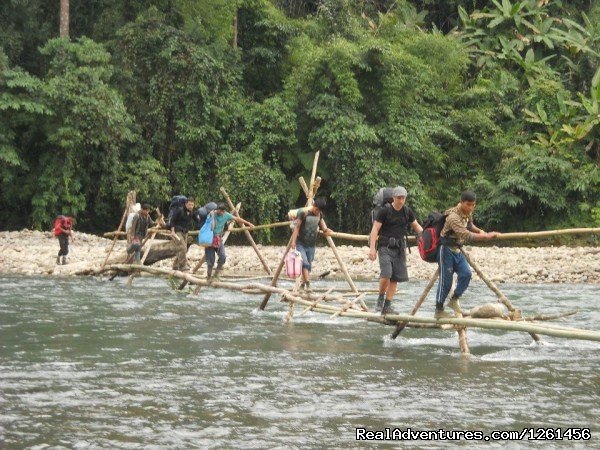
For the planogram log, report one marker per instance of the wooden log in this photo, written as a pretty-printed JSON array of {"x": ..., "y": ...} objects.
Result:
[
  {"x": 543, "y": 317},
  {"x": 420, "y": 301},
  {"x": 503, "y": 299},
  {"x": 130, "y": 201},
  {"x": 504, "y": 325},
  {"x": 249, "y": 236}
]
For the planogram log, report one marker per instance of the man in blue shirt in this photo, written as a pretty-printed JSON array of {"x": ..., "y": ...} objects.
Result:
[{"x": 220, "y": 219}]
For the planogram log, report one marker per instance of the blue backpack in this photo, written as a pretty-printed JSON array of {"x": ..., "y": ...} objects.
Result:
[{"x": 206, "y": 235}]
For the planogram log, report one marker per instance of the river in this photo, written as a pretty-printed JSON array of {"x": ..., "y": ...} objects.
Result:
[{"x": 86, "y": 363}]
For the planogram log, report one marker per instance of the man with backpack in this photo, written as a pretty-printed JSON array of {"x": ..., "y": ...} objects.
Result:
[
  {"x": 181, "y": 219},
  {"x": 304, "y": 236},
  {"x": 63, "y": 230},
  {"x": 457, "y": 230},
  {"x": 220, "y": 217},
  {"x": 137, "y": 231},
  {"x": 387, "y": 240}
]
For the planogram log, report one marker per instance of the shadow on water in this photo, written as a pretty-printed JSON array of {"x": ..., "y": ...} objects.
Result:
[{"x": 91, "y": 363}]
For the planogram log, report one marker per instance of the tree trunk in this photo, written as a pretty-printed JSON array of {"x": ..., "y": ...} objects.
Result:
[
  {"x": 64, "y": 19},
  {"x": 234, "y": 40}
]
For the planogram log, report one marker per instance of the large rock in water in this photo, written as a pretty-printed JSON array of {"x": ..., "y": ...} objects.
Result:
[{"x": 487, "y": 311}]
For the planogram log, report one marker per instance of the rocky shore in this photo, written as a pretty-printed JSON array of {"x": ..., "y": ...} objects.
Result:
[{"x": 29, "y": 252}]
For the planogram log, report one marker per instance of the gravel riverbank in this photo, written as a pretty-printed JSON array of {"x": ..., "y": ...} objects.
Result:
[{"x": 34, "y": 253}]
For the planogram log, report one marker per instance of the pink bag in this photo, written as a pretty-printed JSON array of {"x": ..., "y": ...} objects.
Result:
[{"x": 293, "y": 264}]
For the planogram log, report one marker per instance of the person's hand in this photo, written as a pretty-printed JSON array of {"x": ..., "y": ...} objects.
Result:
[
  {"x": 250, "y": 225},
  {"x": 327, "y": 232},
  {"x": 492, "y": 234},
  {"x": 372, "y": 254}
]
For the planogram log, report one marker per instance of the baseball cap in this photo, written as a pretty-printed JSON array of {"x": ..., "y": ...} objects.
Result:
[{"x": 399, "y": 191}]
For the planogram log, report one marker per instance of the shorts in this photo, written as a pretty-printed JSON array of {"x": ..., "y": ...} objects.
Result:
[
  {"x": 392, "y": 263},
  {"x": 308, "y": 254}
]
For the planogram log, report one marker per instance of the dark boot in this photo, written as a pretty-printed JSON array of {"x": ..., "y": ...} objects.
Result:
[
  {"x": 58, "y": 260},
  {"x": 208, "y": 273},
  {"x": 387, "y": 308},
  {"x": 64, "y": 260},
  {"x": 380, "y": 300}
]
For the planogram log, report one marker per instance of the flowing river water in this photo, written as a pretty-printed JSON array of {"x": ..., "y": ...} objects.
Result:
[{"x": 86, "y": 363}]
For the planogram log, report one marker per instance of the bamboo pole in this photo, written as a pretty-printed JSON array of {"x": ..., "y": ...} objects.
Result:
[
  {"x": 289, "y": 316},
  {"x": 313, "y": 174},
  {"x": 504, "y": 325},
  {"x": 462, "y": 340},
  {"x": 262, "y": 227},
  {"x": 365, "y": 237},
  {"x": 420, "y": 301},
  {"x": 248, "y": 236},
  {"x": 128, "y": 259},
  {"x": 129, "y": 202},
  {"x": 263, "y": 304},
  {"x": 316, "y": 302},
  {"x": 310, "y": 192},
  {"x": 160, "y": 218},
  {"x": 343, "y": 267},
  {"x": 501, "y": 297},
  {"x": 501, "y": 237},
  {"x": 163, "y": 232},
  {"x": 347, "y": 306},
  {"x": 462, "y": 335},
  {"x": 548, "y": 233}
]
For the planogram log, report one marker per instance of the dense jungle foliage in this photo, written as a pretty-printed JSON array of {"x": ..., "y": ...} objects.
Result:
[{"x": 184, "y": 96}]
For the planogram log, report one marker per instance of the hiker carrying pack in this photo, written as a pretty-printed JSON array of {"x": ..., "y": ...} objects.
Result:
[
  {"x": 202, "y": 213},
  {"x": 389, "y": 230},
  {"x": 178, "y": 201},
  {"x": 429, "y": 241},
  {"x": 63, "y": 230},
  {"x": 63, "y": 222},
  {"x": 383, "y": 200}
]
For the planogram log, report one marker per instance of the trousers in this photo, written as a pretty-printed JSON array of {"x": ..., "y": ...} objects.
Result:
[{"x": 451, "y": 262}]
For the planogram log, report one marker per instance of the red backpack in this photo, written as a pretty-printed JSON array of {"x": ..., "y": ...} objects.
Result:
[
  {"x": 429, "y": 240},
  {"x": 62, "y": 222}
]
